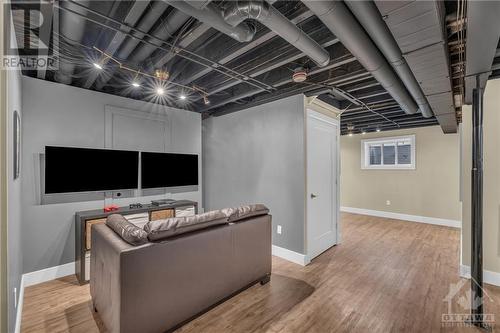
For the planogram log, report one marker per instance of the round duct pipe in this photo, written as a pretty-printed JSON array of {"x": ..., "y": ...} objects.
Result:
[
  {"x": 239, "y": 11},
  {"x": 339, "y": 19}
]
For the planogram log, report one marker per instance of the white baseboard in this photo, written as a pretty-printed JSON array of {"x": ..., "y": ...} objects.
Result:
[
  {"x": 405, "y": 217},
  {"x": 19, "y": 309},
  {"x": 37, "y": 277},
  {"x": 48, "y": 274},
  {"x": 488, "y": 276},
  {"x": 295, "y": 257}
]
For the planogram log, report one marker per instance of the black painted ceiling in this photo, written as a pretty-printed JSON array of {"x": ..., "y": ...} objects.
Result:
[{"x": 234, "y": 75}]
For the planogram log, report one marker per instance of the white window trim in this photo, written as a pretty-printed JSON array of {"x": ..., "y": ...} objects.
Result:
[{"x": 365, "y": 153}]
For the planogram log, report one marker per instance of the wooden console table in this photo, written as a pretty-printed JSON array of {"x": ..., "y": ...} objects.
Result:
[{"x": 86, "y": 219}]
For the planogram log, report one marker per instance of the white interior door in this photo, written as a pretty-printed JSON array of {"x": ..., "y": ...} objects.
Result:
[{"x": 322, "y": 194}]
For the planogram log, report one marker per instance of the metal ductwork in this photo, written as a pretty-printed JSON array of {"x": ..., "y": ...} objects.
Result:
[
  {"x": 133, "y": 16},
  {"x": 198, "y": 4},
  {"x": 339, "y": 19},
  {"x": 174, "y": 21},
  {"x": 239, "y": 11},
  {"x": 213, "y": 16},
  {"x": 72, "y": 27},
  {"x": 368, "y": 15},
  {"x": 129, "y": 45}
]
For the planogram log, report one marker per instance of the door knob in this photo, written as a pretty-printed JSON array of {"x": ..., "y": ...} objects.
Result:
[{"x": 313, "y": 195}]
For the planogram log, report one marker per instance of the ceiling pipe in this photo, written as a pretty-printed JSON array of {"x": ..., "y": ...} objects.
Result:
[
  {"x": 369, "y": 16},
  {"x": 174, "y": 21},
  {"x": 133, "y": 16},
  {"x": 198, "y": 4},
  {"x": 130, "y": 44},
  {"x": 239, "y": 11},
  {"x": 72, "y": 28},
  {"x": 213, "y": 16},
  {"x": 339, "y": 19}
]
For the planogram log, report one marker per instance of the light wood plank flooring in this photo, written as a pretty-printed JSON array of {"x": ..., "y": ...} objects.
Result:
[{"x": 386, "y": 276}]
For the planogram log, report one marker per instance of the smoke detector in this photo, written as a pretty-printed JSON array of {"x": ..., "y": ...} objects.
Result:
[{"x": 299, "y": 75}]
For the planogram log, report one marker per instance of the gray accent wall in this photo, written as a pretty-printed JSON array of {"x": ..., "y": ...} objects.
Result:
[
  {"x": 55, "y": 114},
  {"x": 258, "y": 156}
]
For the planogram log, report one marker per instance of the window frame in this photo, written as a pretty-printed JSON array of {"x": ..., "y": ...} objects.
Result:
[{"x": 365, "y": 153}]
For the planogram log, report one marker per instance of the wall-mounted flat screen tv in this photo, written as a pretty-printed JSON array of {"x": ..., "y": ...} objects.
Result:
[
  {"x": 89, "y": 170},
  {"x": 168, "y": 170}
]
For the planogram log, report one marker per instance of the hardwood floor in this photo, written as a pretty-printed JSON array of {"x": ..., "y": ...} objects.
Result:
[{"x": 386, "y": 276}]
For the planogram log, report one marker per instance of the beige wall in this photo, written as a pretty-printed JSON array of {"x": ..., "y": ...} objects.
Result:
[
  {"x": 431, "y": 190},
  {"x": 491, "y": 185}
]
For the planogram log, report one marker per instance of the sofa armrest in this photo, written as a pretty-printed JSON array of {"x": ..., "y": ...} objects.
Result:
[{"x": 105, "y": 272}]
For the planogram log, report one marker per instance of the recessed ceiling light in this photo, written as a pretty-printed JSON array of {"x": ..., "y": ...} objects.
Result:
[
  {"x": 160, "y": 91},
  {"x": 182, "y": 97},
  {"x": 97, "y": 65},
  {"x": 136, "y": 84}
]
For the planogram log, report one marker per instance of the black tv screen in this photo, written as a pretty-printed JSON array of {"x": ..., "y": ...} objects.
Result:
[
  {"x": 168, "y": 170},
  {"x": 89, "y": 170}
]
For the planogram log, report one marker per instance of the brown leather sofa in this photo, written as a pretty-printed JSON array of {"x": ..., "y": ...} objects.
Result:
[{"x": 158, "y": 286}]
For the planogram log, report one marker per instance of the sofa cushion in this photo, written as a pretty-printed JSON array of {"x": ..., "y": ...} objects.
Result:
[
  {"x": 244, "y": 212},
  {"x": 162, "y": 229},
  {"x": 129, "y": 232}
]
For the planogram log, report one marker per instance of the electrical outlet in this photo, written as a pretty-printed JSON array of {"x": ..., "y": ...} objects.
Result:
[
  {"x": 388, "y": 202},
  {"x": 15, "y": 297},
  {"x": 278, "y": 229}
]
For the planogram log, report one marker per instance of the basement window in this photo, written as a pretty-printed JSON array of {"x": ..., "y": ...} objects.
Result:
[{"x": 388, "y": 153}]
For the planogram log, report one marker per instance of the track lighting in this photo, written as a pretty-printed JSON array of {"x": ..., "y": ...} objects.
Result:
[
  {"x": 364, "y": 132},
  {"x": 378, "y": 129},
  {"x": 161, "y": 76},
  {"x": 350, "y": 134}
]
